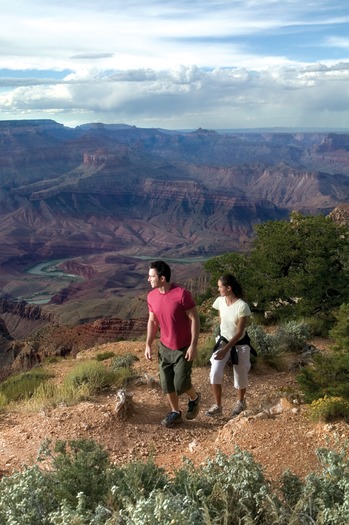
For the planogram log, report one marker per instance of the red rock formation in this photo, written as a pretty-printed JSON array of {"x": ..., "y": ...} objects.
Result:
[{"x": 73, "y": 267}]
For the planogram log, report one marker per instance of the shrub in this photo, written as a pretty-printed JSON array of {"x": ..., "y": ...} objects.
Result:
[
  {"x": 327, "y": 376},
  {"x": 205, "y": 352},
  {"x": 83, "y": 382},
  {"x": 123, "y": 361},
  {"x": 48, "y": 394},
  {"x": 93, "y": 374},
  {"x": 289, "y": 337},
  {"x": 27, "y": 498},
  {"x": 340, "y": 332},
  {"x": 266, "y": 347},
  {"x": 318, "y": 325},
  {"x": 203, "y": 319},
  {"x": 322, "y": 498},
  {"x": 232, "y": 489},
  {"x": 22, "y": 386},
  {"x": 329, "y": 408},
  {"x": 104, "y": 355},
  {"x": 292, "y": 336},
  {"x": 163, "y": 509},
  {"x": 122, "y": 367},
  {"x": 135, "y": 481},
  {"x": 81, "y": 487},
  {"x": 3, "y": 401},
  {"x": 78, "y": 466}
]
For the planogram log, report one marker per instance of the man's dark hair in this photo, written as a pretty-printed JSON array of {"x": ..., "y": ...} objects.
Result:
[{"x": 162, "y": 269}]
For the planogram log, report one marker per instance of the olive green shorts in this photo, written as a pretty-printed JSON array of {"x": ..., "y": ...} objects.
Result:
[{"x": 175, "y": 370}]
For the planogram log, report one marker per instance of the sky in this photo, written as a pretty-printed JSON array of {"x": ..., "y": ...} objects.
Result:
[{"x": 180, "y": 64}]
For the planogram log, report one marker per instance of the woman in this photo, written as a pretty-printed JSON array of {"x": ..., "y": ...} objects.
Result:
[{"x": 233, "y": 313}]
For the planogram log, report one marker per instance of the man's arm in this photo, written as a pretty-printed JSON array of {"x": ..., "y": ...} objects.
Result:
[
  {"x": 192, "y": 351},
  {"x": 152, "y": 328}
]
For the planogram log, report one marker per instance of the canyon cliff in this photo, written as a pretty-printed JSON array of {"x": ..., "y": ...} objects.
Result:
[{"x": 99, "y": 200}]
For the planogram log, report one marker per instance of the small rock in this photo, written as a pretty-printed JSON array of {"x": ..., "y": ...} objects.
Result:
[
  {"x": 193, "y": 446},
  {"x": 262, "y": 415}
]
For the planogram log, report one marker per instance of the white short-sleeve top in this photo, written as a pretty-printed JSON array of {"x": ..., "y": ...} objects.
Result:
[{"x": 230, "y": 315}]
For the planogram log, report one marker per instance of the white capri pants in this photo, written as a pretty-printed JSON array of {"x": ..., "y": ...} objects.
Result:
[{"x": 241, "y": 370}]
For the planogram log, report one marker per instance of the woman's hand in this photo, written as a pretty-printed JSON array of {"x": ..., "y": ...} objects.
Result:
[{"x": 221, "y": 353}]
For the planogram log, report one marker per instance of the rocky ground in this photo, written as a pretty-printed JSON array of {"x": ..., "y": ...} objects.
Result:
[{"x": 275, "y": 429}]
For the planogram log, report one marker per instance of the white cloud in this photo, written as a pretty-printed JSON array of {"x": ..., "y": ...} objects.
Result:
[
  {"x": 341, "y": 42},
  {"x": 208, "y": 63}
]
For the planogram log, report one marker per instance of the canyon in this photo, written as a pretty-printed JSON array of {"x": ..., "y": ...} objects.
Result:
[{"x": 102, "y": 200}]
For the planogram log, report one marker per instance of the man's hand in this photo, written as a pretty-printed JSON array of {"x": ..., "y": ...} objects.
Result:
[
  {"x": 147, "y": 353},
  {"x": 191, "y": 353}
]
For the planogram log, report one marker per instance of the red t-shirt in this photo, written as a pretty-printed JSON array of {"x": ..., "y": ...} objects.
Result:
[{"x": 170, "y": 310}]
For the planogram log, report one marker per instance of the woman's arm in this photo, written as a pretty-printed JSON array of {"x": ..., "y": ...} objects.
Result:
[{"x": 222, "y": 352}]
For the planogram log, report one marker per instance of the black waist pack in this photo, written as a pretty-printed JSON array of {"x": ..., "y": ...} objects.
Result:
[
  {"x": 222, "y": 341},
  {"x": 243, "y": 341},
  {"x": 233, "y": 352}
]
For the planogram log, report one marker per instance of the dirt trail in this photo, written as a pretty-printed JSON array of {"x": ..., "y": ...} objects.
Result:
[{"x": 287, "y": 440}]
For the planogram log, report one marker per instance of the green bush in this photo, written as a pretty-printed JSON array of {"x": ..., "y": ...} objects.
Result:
[
  {"x": 319, "y": 325},
  {"x": 104, "y": 355},
  {"x": 93, "y": 374},
  {"x": 203, "y": 320},
  {"x": 328, "y": 375},
  {"x": 163, "y": 509},
  {"x": 292, "y": 336},
  {"x": 83, "y": 382},
  {"x": 289, "y": 337},
  {"x": 322, "y": 498},
  {"x": 83, "y": 488},
  {"x": 205, "y": 352},
  {"x": 329, "y": 409},
  {"x": 266, "y": 346},
  {"x": 23, "y": 386},
  {"x": 230, "y": 488},
  {"x": 123, "y": 361},
  {"x": 27, "y": 498},
  {"x": 135, "y": 481},
  {"x": 340, "y": 332},
  {"x": 48, "y": 394},
  {"x": 79, "y": 466}
]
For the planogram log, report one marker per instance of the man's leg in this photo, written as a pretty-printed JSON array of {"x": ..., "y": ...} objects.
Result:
[
  {"x": 167, "y": 359},
  {"x": 183, "y": 385},
  {"x": 193, "y": 404},
  {"x": 192, "y": 393},
  {"x": 173, "y": 400},
  {"x": 175, "y": 415}
]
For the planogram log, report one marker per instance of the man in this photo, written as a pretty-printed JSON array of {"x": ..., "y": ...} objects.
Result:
[{"x": 172, "y": 309}]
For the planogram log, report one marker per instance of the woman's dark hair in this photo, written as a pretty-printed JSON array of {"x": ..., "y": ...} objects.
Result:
[
  {"x": 229, "y": 280},
  {"x": 162, "y": 269}
]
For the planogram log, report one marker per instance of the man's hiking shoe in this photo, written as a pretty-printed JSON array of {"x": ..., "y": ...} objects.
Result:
[
  {"x": 193, "y": 408},
  {"x": 172, "y": 419},
  {"x": 238, "y": 408},
  {"x": 215, "y": 410}
]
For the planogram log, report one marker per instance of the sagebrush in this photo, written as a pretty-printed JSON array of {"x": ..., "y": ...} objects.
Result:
[{"x": 82, "y": 487}]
